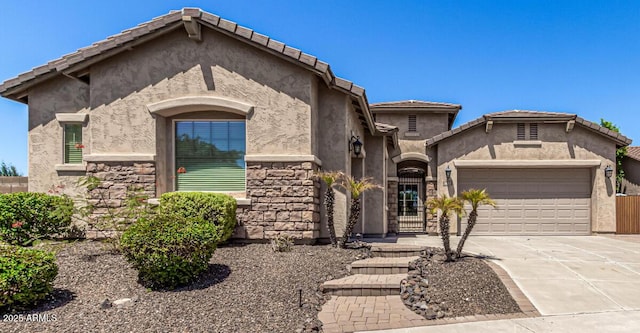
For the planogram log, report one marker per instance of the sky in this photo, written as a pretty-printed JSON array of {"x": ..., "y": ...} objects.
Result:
[{"x": 580, "y": 57}]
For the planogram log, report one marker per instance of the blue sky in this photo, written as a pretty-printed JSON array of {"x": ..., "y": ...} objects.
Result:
[{"x": 567, "y": 56}]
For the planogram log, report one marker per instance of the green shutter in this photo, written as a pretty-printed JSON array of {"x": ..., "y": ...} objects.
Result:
[
  {"x": 72, "y": 137},
  {"x": 212, "y": 155}
]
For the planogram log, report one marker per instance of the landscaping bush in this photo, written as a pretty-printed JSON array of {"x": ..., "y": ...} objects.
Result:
[
  {"x": 26, "y": 276},
  {"x": 169, "y": 250},
  {"x": 217, "y": 208},
  {"x": 27, "y": 216}
]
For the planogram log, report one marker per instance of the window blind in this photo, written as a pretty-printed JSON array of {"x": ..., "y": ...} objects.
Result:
[
  {"x": 210, "y": 156},
  {"x": 73, "y": 143}
]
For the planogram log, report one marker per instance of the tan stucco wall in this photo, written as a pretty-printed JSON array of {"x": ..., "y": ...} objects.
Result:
[
  {"x": 332, "y": 149},
  {"x": 555, "y": 144},
  {"x": 428, "y": 124},
  {"x": 46, "y": 141},
  {"x": 374, "y": 222},
  {"x": 175, "y": 66}
]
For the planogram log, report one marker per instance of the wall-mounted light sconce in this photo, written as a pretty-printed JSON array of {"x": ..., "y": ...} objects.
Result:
[
  {"x": 608, "y": 171},
  {"x": 447, "y": 172},
  {"x": 357, "y": 145}
]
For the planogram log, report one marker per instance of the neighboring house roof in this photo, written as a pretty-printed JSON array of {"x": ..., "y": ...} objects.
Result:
[
  {"x": 526, "y": 115},
  {"x": 633, "y": 153},
  {"x": 414, "y": 104},
  {"x": 76, "y": 64}
]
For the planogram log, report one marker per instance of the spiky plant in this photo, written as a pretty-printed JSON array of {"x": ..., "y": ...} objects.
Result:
[
  {"x": 356, "y": 187},
  {"x": 475, "y": 198},
  {"x": 446, "y": 205},
  {"x": 330, "y": 178}
]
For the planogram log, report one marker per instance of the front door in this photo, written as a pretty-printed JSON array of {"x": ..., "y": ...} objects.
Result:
[{"x": 411, "y": 214}]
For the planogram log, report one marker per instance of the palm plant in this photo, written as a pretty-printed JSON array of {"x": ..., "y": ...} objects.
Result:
[
  {"x": 446, "y": 205},
  {"x": 330, "y": 178},
  {"x": 356, "y": 188},
  {"x": 475, "y": 198}
]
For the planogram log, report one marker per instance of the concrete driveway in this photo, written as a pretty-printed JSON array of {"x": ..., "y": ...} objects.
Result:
[{"x": 564, "y": 275}]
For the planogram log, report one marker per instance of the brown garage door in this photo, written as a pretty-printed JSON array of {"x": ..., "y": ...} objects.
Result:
[{"x": 531, "y": 201}]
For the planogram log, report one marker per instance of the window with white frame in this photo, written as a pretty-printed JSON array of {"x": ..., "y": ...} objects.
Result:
[{"x": 209, "y": 155}]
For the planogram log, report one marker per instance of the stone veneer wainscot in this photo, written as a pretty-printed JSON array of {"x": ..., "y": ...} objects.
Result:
[{"x": 284, "y": 199}]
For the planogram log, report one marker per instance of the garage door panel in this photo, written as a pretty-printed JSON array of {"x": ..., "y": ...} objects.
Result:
[{"x": 531, "y": 201}]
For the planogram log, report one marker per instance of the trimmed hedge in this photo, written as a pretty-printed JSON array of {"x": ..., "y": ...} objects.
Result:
[
  {"x": 169, "y": 250},
  {"x": 26, "y": 216},
  {"x": 217, "y": 208},
  {"x": 26, "y": 276}
]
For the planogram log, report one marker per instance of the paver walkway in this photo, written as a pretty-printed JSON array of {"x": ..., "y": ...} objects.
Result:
[{"x": 376, "y": 307}]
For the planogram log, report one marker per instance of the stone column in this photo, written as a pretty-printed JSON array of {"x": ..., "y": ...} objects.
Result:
[
  {"x": 432, "y": 219},
  {"x": 392, "y": 203}
]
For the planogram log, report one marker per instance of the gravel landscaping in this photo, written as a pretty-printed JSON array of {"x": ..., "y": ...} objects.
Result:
[
  {"x": 248, "y": 288},
  {"x": 435, "y": 289}
]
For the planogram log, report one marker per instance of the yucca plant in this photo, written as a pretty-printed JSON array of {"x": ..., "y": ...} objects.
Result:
[
  {"x": 356, "y": 187},
  {"x": 446, "y": 205},
  {"x": 475, "y": 198},
  {"x": 330, "y": 178}
]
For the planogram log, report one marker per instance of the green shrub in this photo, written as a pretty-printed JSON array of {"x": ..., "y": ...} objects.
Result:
[
  {"x": 220, "y": 209},
  {"x": 169, "y": 250},
  {"x": 27, "y": 216},
  {"x": 26, "y": 276}
]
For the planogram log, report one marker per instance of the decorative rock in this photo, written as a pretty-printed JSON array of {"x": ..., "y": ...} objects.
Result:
[
  {"x": 123, "y": 302},
  {"x": 440, "y": 314},
  {"x": 430, "y": 314},
  {"x": 105, "y": 304}
]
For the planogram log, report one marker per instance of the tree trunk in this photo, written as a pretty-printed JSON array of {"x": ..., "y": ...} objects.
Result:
[
  {"x": 354, "y": 215},
  {"x": 329, "y": 198},
  {"x": 471, "y": 222},
  {"x": 444, "y": 234}
]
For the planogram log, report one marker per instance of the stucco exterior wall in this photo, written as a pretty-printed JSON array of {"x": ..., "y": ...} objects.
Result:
[
  {"x": 175, "y": 66},
  {"x": 332, "y": 149},
  {"x": 46, "y": 140},
  {"x": 427, "y": 126},
  {"x": 375, "y": 222},
  {"x": 555, "y": 144},
  {"x": 631, "y": 183}
]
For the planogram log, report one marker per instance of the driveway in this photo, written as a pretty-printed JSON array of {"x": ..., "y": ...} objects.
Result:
[{"x": 563, "y": 275}]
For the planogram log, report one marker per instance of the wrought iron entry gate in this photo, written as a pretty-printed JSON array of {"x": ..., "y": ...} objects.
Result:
[{"x": 411, "y": 197}]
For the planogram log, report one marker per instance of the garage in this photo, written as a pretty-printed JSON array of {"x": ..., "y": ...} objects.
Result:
[{"x": 531, "y": 201}]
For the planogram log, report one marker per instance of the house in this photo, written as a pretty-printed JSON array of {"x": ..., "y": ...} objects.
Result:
[
  {"x": 192, "y": 102},
  {"x": 631, "y": 166}
]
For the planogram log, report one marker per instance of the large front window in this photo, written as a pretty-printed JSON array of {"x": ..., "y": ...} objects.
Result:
[{"x": 210, "y": 156}]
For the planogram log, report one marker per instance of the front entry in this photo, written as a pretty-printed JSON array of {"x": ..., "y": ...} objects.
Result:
[{"x": 411, "y": 197}]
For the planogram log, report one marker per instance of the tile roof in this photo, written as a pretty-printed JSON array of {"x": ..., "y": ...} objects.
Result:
[
  {"x": 414, "y": 104},
  {"x": 528, "y": 114},
  {"x": 620, "y": 139},
  {"x": 175, "y": 19},
  {"x": 633, "y": 153},
  {"x": 386, "y": 128}
]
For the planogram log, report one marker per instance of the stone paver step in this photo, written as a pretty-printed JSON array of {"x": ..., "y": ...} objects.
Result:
[
  {"x": 395, "y": 250},
  {"x": 382, "y": 265},
  {"x": 364, "y": 285}
]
